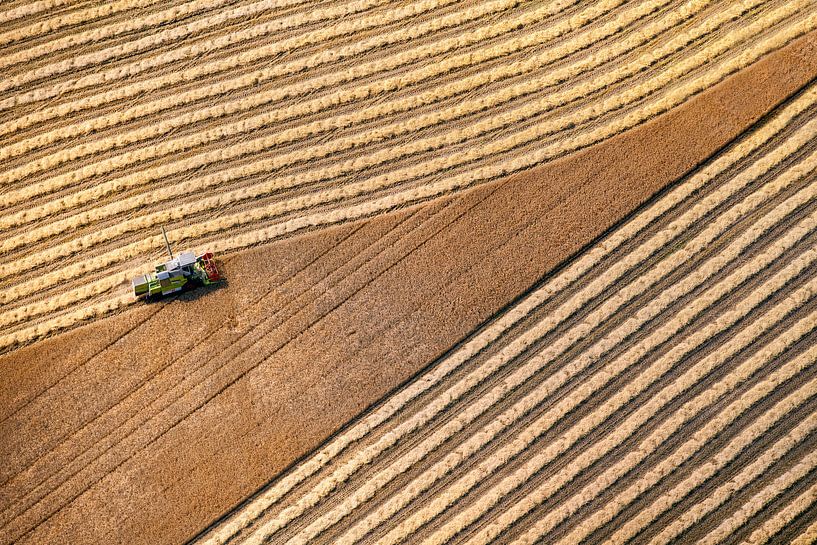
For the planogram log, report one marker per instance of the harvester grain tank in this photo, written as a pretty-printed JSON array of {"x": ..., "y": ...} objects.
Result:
[{"x": 172, "y": 276}]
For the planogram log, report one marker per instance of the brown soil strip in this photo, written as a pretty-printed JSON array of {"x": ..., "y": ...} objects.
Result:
[{"x": 300, "y": 342}]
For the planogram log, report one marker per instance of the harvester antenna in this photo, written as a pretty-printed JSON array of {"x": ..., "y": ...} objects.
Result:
[{"x": 166, "y": 242}]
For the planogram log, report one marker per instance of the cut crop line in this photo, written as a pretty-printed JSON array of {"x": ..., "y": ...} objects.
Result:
[
  {"x": 672, "y": 425},
  {"x": 156, "y": 19},
  {"x": 779, "y": 521},
  {"x": 306, "y": 108},
  {"x": 422, "y": 192},
  {"x": 177, "y": 33},
  {"x": 614, "y": 368},
  {"x": 229, "y": 107},
  {"x": 758, "y": 501},
  {"x": 710, "y": 468},
  {"x": 253, "y": 56},
  {"x": 48, "y": 26},
  {"x": 557, "y": 347},
  {"x": 700, "y": 438},
  {"x": 377, "y": 111},
  {"x": 665, "y": 363},
  {"x": 64, "y": 321},
  {"x": 494, "y": 331},
  {"x": 184, "y": 188},
  {"x": 30, "y": 9}
]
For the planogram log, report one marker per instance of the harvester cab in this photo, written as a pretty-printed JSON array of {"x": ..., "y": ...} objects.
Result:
[{"x": 172, "y": 276}]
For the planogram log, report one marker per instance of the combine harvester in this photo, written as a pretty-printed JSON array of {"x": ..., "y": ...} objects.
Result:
[{"x": 177, "y": 273}]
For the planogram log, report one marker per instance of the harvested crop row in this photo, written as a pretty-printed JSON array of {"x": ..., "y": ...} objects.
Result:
[
  {"x": 423, "y": 191},
  {"x": 248, "y": 57},
  {"x": 172, "y": 34},
  {"x": 787, "y": 479},
  {"x": 252, "y": 101},
  {"x": 772, "y": 526},
  {"x": 700, "y": 438},
  {"x": 68, "y": 19},
  {"x": 487, "y": 500},
  {"x": 340, "y": 97},
  {"x": 537, "y": 363},
  {"x": 674, "y": 424},
  {"x": 325, "y": 508},
  {"x": 166, "y": 16},
  {"x": 387, "y": 131}
]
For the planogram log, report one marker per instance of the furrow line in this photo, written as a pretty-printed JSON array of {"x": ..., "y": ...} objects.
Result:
[
  {"x": 184, "y": 188},
  {"x": 172, "y": 34},
  {"x": 426, "y": 191},
  {"x": 780, "y": 520},
  {"x": 757, "y": 502},
  {"x": 376, "y": 111},
  {"x": 672, "y": 425},
  {"x": 488, "y": 499},
  {"x": 72, "y": 18},
  {"x": 156, "y": 19},
  {"x": 345, "y": 96},
  {"x": 808, "y": 536},
  {"x": 698, "y": 440},
  {"x": 540, "y": 360},
  {"x": 495, "y": 330}
]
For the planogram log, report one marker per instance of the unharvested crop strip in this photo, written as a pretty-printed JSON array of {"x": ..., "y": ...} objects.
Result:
[
  {"x": 672, "y": 425},
  {"x": 254, "y": 191},
  {"x": 319, "y": 104},
  {"x": 378, "y": 111},
  {"x": 155, "y": 19},
  {"x": 635, "y": 287},
  {"x": 757, "y": 502},
  {"x": 779, "y": 521},
  {"x": 622, "y": 362},
  {"x": 264, "y": 143},
  {"x": 71, "y": 18},
  {"x": 177, "y": 33},
  {"x": 699, "y": 439},
  {"x": 594, "y": 319},
  {"x": 489, "y": 367},
  {"x": 559, "y": 283},
  {"x": 350, "y": 190},
  {"x": 368, "y": 208}
]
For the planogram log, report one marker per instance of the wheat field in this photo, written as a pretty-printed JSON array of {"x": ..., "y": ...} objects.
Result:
[
  {"x": 660, "y": 388},
  {"x": 238, "y": 123}
]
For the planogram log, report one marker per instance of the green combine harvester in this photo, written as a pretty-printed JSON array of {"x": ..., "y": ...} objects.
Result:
[{"x": 172, "y": 276}]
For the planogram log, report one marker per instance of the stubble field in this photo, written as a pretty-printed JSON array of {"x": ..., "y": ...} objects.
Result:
[{"x": 498, "y": 271}]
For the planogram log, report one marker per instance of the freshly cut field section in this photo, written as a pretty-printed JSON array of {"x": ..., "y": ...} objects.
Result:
[
  {"x": 145, "y": 427},
  {"x": 236, "y": 123},
  {"x": 662, "y": 386}
]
